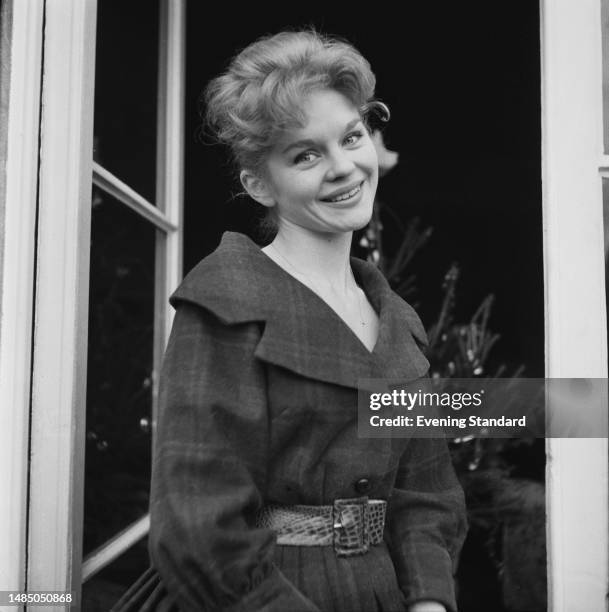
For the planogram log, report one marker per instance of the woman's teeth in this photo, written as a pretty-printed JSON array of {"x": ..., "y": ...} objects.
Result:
[{"x": 346, "y": 196}]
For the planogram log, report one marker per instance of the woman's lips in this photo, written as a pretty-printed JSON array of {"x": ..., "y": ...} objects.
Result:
[{"x": 344, "y": 195}]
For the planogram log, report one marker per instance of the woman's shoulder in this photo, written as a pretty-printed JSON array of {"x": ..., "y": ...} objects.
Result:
[{"x": 231, "y": 282}]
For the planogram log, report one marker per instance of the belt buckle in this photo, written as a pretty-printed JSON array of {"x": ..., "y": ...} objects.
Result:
[{"x": 350, "y": 518}]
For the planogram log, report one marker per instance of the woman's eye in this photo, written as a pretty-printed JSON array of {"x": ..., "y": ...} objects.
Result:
[
  {"x": 304, "y": 157},
  {"x": 353, "y": 137}
]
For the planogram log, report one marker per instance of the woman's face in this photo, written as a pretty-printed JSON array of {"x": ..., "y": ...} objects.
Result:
[{"x": 323, "y": 177}]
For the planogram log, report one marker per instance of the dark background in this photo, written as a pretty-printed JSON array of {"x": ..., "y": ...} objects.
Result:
[{"x": 463, "y": 83}]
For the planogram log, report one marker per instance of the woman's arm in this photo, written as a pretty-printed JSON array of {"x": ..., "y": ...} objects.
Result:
[
  {"x": 209, "y": 467},
  {"x": 426, "y": 524}
]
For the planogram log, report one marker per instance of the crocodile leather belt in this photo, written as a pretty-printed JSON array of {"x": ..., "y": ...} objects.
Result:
[{"x": 350, "y": 525}]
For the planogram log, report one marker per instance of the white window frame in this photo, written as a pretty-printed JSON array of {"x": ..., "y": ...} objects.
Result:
[
  {"x": 166, "y": 216},
  {"x": 61, "y": 299},
  {"x": 22, "y": 68},
  {"x": 575, "y": 300}
]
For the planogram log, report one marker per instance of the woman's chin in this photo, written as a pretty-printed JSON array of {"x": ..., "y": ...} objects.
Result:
[
  {"x": 360, "y": 217},
  {"x": 355, "y": 220},
  {"x": 335, "y": 221}
]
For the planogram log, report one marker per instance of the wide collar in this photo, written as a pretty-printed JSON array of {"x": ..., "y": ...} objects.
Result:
[{"x": 238, "y": 283}]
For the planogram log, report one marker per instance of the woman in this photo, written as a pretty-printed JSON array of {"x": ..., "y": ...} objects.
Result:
[{"x": 261, "y": 486}]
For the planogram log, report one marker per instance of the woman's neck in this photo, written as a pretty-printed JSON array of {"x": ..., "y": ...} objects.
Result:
[{"x": 322, "y": 258}]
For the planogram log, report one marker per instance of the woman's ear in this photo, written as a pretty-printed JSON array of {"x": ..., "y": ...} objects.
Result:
[{"x": 257, "y": 188}]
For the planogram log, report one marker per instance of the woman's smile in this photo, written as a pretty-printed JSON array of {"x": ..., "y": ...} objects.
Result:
[{"x": 344, "y": 195}]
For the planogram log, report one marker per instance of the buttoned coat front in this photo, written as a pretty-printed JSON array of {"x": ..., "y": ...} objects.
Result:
[{"x": 258, "y": 405}]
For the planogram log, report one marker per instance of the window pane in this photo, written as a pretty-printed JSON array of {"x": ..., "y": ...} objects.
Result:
[
  {"x": 119, "y": 394},
  {"x": 105, "y": 588},
  {"x": 126, "y": 91}
]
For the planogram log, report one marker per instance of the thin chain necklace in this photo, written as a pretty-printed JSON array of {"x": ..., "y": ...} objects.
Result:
[
  {"x": 316, "y": 286},
  {"x": 359, "y": 299}
]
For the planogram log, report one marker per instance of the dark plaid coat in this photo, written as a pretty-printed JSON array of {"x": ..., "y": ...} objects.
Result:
[{"x": 258, "y": 405}]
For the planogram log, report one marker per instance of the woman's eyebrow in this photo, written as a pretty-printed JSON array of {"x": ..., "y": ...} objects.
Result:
[
  {"x": 308, "y": 142},
  {"x": 299, "y": 144}
]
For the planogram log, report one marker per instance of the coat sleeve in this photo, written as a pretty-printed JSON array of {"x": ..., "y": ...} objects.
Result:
[
  {"x": 426, "y": 522},
  {"x": 209, "y": 467}
]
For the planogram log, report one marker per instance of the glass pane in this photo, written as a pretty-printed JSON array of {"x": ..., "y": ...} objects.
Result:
[
  {"x": 120, "y": 354},
  {"x": 105, "y": 588},
  {"x": 126, "y": 91}
]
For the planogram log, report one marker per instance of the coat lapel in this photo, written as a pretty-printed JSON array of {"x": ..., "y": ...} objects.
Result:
[{"x": 239, "y": 284}]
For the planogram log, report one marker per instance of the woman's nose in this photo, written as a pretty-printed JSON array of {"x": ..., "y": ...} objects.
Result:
[{"x": 341, "y": 165}]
